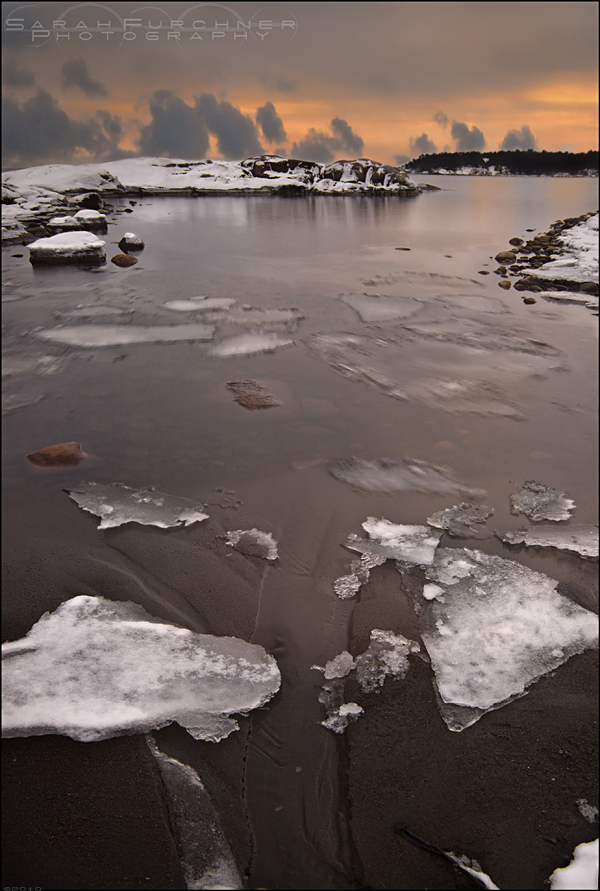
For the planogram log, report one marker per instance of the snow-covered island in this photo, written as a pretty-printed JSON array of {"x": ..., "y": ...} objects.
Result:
[{"x": 34, "y": 195}]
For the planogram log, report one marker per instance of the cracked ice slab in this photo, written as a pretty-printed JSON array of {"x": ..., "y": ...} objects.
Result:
[
  {"x": 388, "y": 476},
  {"x": 253, "y": 543},
  {"x": 493, "y": 629},
  {"x": 117, "y": 504},
  {"x": 582, "y": 540},
  {"x": 463, "y": 520},
  {"x": 94, "y": 669},
  {"x": 115, "y": 335},
  {"x": 540, "y": 502},
  {"x": 412, "y": 544}
]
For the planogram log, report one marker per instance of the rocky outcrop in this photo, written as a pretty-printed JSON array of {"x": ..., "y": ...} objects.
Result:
[{"x": 361, "y": 175}]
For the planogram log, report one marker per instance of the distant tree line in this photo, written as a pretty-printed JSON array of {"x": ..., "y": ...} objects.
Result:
[{"x": 528, "y": 163}]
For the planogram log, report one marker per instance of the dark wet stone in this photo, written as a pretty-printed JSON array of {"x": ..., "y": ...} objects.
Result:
[
  {"x": 506, "y": 257},
  {"x": 123, "y": 260},
  {"x": 529, "y": 300},
  {"x": 504, "y": 284},
  {"x": 65, "y": 454},
  {"x": 516, "y": 241}
]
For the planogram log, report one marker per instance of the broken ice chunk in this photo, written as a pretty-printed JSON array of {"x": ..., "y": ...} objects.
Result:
[
  {"x": 387, "y": 654},
  {"x": 253, "y": 543},
  {"x": 338, "y": 667},
  {"x": 582, "y": 540},
  {"x": 118, "y": 504},
  {"x": 464, "y": 520},
  {"x": 248, "y": 345},
  {"x": 587, "y": 810},
  {"x": 388, "y": 476},
  {"x": 339, "y": 713},
  {"x": 500, "y": 627},
  {"x": 349, "y": 585},
  {"x": 94, "y": 669},
  {"x": 413, "y": 544},
  {"x": 541, "y": 502}
]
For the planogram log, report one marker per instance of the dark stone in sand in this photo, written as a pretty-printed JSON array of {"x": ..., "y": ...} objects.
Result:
[
  {"x": 516, "y": 241},
  {"x": 521, "y": 286},
  {"x": 529, "y": 300},
  {"x": 252, "y": 395},
  {"x": 402, "y": 249},
  {"x": 65, "y": 454},
  {"x": 506, "y": 257},
  {"x": 123, "y": 260},
  {"x": 504, "y": 284},
  {"x": 483, "y": 272}
]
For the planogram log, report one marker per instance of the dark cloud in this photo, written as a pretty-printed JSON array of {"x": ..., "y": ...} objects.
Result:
[
  {"x": 285, "y": 86},
  {"x": 322, "y": 147},
  {"x": 270, "y": 123},
  {"x": 14, "y": 77},
  {"x": 467, "y": 140},
  {"x": 349, "y": 141},
  {"x": 519, "y": 139},
  {"x": 75, "y": 74},
  {"x": 40, "y": 131},
  {"x": 401, "y": 159},
  {"x": 422, "y": 145},
  {"x": 237, "y": 136},
  {"x": 441, "y": 119},
  {"x": 176, "y": 130}
]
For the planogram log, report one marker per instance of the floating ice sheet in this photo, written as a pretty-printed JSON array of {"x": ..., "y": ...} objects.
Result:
[
  {"x": 253, "y": 543},
  {"x": 582, "y": 540},
  {"x": 115, "y": 335},
  {"x": 389, "y": 476},
  {"x": 248, "y": 345},
  {"x": 380, "y": 309},
  {"x": 413, "y": 544},
  {"x": 495, "y": 629},
  {"x": 94, "y": 669},
  {"x": 464, "y": 520},
  {"x": 200, "y": 304},
  {"x": 118, "y": 504},
  {"x": 582, "y": 872},
  {"x": 540, "y": 502},
  {"x": 349, "y": 585}
]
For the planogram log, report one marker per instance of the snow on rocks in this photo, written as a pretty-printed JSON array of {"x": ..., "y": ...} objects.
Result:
[
  {"x": 253, "y": 543},
  {"x": 495, "y": 628},
  {"x": 68, "y": 247},
  {"x": 94, "y": 669},
  {"x": 582, "y": 540},
  {"x": 131, "y": 242},
  {"x": 540, "y": 502},
  {"x": 117, "y": 504}
]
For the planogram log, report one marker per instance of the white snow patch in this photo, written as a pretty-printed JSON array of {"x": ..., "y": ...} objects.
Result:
[
  {"x": 94, "y": 669},
  {"x": 579, "y": 262},
  {"x": 582, "y": 872},
  {"x": 118, "y": 504}
]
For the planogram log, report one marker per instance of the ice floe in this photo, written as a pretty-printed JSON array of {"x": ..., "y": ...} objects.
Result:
[
  {"x": 253, "y": 543},
  {"x": 380, "y": 309},
  {"x": 200, "y": 304},
  {"x": 248, "y": 345},
  {"x": 68, "y": 247},
  {"x": 390, "y": 475},
  {"x": 464, "y": 520},
  {"x": 582, "y": 540},
  {"x": 387, "y": 654},
  {"x": 540, "y": 502},
  {"x": 495, "y": 630},
  {"x": 95, "y": 668},
  {"x": 582, "y": 872},
  {"x": 117, "y": 504},
  {"x": 349, "y": 585},
  {"x": 205, "y": 855},
  {"x": 411, "y": 544},
  {"x": 116, "y": 335}
]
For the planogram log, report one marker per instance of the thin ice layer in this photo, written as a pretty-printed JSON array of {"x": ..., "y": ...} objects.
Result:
[
  {"x": 497, "y": 628},
  {"x": 115, "y": 335},
  {"x": 200, "y": 304},
  {"x": 582, "y": 540},
  {"x": 540, "y": 502},
  {"x": 389, "y": 476},
  {"x": 118, "y": 504},
  {"x": 349, "y": 585},
  {"x": 253, "y": 543},
  {"x": 248, "y": 345},
  {"x": 94, "y": 669},
  {"x": 380, "y": 309},
  {"x": 206, "y": 858},
  {"x": 463, "y": 520}
]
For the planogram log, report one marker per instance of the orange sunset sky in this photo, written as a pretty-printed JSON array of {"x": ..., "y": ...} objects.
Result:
[{"x": 321, "y": 81}]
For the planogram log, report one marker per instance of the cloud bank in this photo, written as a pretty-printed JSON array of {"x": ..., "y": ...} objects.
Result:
[{"x": 519, "y": 139}]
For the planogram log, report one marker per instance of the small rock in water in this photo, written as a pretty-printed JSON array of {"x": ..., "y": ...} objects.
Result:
[
  {"x": 131, "y": 242},
  {"x": 506, "y": 257},
  {"x": 252, "y": 395},
  {"x": 541, "y": 502},
  {"x": 402, "y": 249},
  {"x": 506, "y": 285},
  {"x": 65, "y": 454},
  {"x": 529, "y": 300},
  {"x": 123, "y": 260}
]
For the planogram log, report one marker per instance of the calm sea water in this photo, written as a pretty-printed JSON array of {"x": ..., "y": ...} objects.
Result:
[{"x": 160, "y": 415}]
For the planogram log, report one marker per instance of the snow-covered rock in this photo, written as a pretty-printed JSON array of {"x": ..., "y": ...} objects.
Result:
[{"x": 68, "y": 247}]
